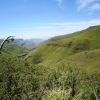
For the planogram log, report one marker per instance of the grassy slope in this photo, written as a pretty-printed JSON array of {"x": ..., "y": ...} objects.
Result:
[
  {"x": 13, "y": 49},
  {"x": 77, "y": 46}
]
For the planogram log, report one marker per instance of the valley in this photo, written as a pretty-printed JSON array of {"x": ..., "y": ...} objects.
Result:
[{"x": 65, "y": 67}]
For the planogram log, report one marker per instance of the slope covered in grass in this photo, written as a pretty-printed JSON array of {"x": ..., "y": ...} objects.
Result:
[
  {"x": 14, "y": 50},
  {"x": 58, "y": 49}
]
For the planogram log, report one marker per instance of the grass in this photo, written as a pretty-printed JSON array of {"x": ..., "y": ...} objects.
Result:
[
  {"x": 80, "y": 48},
  {"x": 14, "y": 50}
]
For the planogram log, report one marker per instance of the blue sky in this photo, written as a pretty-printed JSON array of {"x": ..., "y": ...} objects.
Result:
[{"x": 46, "y": 18}]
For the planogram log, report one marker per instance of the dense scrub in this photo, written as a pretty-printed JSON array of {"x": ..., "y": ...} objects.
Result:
[
  {"x": 21, "y": 81},
  {"x": 17, "y": 81},
  {"x": 72, "y": 84}
]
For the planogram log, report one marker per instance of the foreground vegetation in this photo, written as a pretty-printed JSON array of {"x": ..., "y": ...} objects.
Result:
[{"x": 21, "y": 81}]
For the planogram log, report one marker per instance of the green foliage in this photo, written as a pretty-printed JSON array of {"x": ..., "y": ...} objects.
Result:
[
  {"x": 14, "y": 50},
  {"x": 72, "y": 84},
  {"x": 16, "y": 79},
  {"x": 37, "y": 59},
  {"x": 19, "y": 79}
]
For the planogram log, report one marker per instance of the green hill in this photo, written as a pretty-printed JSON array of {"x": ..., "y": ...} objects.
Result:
[
  {"x": 14, "y": 50},
  {"x": 58, "y": 49},
  {"x": 69, "y": 66}
]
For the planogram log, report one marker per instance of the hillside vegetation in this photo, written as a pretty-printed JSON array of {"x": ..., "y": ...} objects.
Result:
[
  {"x": 79, "y": 48},
  {"x": 14, "y": 49}
]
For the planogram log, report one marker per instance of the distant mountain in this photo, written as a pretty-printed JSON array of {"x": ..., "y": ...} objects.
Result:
[
  {"x": 28, "y": 43},
  {"x": 35, "y": 40}
]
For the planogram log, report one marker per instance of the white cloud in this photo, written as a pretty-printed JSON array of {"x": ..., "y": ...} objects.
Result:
[
  {"x": 76, "y": 26},
  {"x": 22, "y": 29},
  {"x": 86, "y": 23},
  {"x": 95, "y": 7},
  {"x": 43, "y": 27},
  {"x": 83, "y": 3},
  {"x": 59, "y": 2},
  {"x": 53, "y": 29}
]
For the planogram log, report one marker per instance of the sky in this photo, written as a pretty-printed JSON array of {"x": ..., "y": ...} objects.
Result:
[{"x": 46, "y": 18}]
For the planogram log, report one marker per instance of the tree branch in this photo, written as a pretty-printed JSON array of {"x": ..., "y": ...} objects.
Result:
[{"x": 7, "y": 39}]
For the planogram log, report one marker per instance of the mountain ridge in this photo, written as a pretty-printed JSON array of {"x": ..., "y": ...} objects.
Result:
[
  {"x": 28, "y": 43},
  {"x": 58, "y": 48}
]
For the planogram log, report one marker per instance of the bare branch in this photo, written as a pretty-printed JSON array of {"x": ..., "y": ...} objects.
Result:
[{"x": 7, "y": 39}]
